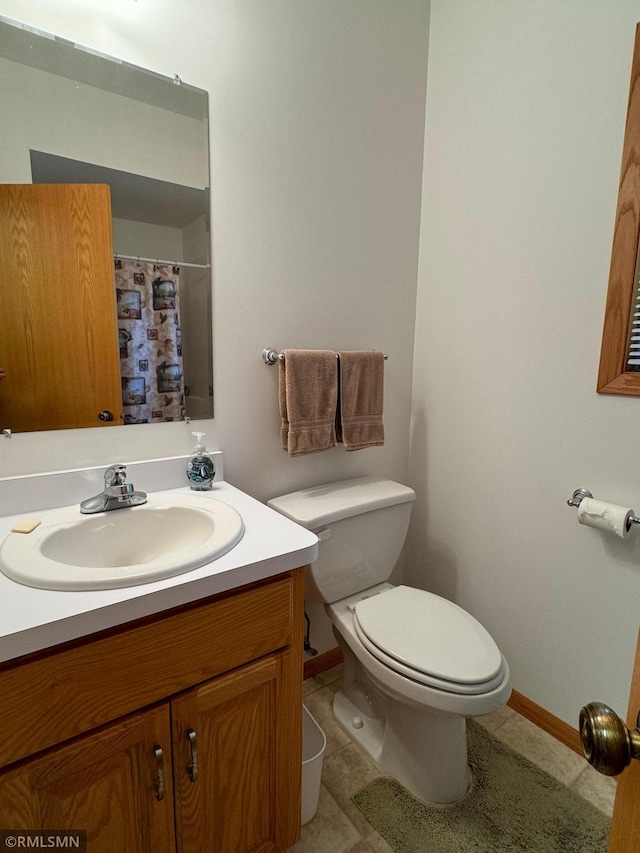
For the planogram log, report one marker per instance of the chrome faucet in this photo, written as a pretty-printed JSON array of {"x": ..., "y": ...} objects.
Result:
[{"x": 117, "y": 493}]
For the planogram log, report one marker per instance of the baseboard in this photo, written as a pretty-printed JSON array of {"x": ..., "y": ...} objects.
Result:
[
  {"x": 545, "y": 720},
  {"x": 542, "y": 718},
  {"x": 322, "y": 662}
]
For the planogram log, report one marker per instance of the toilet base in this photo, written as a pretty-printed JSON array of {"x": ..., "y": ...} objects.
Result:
[{"x": 425, "y": 750}]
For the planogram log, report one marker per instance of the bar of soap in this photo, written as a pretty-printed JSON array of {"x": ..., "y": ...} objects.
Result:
[{"x": 27, "y": 525}]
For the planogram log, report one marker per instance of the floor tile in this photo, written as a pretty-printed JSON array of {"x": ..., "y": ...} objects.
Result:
[
  {"x": 541, "y": 748},
  {"x": 334, "y": 686},
  {"x": 311, "y": 685},
  {"x": 598, "y": 789},
  {"x": 378, "y": 844},
  {"x": 345, "y": 772},
  {"x": 320, "y": 705},
  {"x": 330, "y": 831},
  {"x": 495, "y": 719},
  {"x": 329, "y": 676}
]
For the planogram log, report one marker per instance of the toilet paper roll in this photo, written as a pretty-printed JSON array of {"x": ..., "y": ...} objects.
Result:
[{"x": 605, "y": 516}]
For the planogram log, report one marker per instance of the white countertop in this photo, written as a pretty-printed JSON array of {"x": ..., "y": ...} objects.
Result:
[{"x": 36, "y": 619}]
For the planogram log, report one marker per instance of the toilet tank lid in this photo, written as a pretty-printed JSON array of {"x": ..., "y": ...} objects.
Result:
[{"x": 318, "y": 506}]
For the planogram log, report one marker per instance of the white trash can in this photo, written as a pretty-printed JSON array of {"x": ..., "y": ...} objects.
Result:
[{"x": 313, "y": 746}]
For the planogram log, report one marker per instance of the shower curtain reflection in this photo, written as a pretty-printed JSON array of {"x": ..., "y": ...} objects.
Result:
[{"x": 150, "y": 340}]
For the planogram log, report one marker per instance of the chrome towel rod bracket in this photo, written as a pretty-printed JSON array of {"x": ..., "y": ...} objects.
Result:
[{"x": 272, "y": 356}]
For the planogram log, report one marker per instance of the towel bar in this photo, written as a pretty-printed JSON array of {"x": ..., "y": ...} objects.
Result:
[{"x": 271, "y": 356}]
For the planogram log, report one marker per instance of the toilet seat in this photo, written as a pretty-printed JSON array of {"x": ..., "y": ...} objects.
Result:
[{"x": 428, "y": 639}]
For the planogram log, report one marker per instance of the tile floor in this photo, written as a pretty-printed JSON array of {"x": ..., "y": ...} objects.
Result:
[{"x": 339, "y": 827}]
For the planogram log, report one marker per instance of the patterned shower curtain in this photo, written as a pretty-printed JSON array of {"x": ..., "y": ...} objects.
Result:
[{"x": 148, "y": 304}]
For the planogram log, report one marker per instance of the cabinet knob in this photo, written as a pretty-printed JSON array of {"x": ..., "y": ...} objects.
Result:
[
  {"x": 192, "y": 767},
  {"x": 105, "y": 416}
]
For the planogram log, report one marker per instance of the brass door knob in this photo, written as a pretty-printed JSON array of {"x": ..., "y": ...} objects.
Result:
[{"x": 607, "y": 743}]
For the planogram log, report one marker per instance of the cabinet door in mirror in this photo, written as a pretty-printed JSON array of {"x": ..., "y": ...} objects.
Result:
[
  {"x": 57, "y": 307},
  {"x": 74, "y": 116}
]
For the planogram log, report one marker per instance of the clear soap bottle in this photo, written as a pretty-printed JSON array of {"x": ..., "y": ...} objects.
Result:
[{"x": 200, "y": 469}]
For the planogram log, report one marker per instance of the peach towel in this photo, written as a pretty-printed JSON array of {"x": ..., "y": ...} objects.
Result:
[
  {"x": 308, "y": 396},
  {"x": 359, "y": 422}
]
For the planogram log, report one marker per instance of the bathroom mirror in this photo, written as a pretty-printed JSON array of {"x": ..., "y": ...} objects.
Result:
[
  {"x": 74, "y": 116},
  {"x": 620, "y": 354}
]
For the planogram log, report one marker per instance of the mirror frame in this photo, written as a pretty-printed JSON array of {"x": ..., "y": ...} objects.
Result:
[{"x": 612, "y": 377}]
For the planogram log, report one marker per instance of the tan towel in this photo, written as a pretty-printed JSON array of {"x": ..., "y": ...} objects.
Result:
[
  {"x": 359, "y": 422},
  {"x": 308, "y": 399}
]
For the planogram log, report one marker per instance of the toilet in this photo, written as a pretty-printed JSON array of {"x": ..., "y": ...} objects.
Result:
[{"x": 415, "y": 665}]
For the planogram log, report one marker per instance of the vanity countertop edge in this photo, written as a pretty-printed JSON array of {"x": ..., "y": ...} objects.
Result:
[{"x": 33, "y": 620}]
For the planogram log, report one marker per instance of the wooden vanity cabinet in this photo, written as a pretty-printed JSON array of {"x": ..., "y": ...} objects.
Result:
[
  {"x": 212, "y": 766},
  {"x": 232, "y": 724},
  {"x": 102, "y": 783}
]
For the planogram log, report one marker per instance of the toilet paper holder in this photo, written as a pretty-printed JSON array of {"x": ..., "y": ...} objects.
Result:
[{"x": 579, "y": 495}]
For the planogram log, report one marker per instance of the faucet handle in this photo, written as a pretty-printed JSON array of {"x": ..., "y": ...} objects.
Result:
[
  {"x": 117, "y": 493},
  {"x": 115, "y": 475}
]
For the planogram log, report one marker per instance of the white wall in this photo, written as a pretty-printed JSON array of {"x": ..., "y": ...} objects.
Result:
[
  {"x": 525, "y": 118},
  {"x": 317, "y": 115},
  {"x": 125, "y": 134},
  {"x": 196, "y": 303},
  {"x": 146, "y": 241}
]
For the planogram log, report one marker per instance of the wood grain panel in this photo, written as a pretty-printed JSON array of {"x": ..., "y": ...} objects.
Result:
[
  {"x": 80, "y": 688},
  {"x": 289, "y": 733},
  {"x": 232, "y": 802},
  {"x": 612, "y": 378},
  {"x": 58, "y": 326},
  {"x": 625, "y": 826},
  {"x": 103, "y": 783}
]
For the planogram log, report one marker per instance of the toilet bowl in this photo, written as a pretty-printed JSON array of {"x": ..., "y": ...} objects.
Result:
[{"x": 415, "y": 665}]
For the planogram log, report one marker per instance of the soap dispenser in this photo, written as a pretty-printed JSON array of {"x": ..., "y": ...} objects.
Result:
[{"x": 200, "y": 468}]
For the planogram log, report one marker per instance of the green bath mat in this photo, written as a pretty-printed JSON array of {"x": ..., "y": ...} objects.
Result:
[{"x": 511, "y": 807}]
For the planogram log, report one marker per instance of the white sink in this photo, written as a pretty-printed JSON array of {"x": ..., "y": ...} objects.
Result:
[{"x": 169, "y": 535}]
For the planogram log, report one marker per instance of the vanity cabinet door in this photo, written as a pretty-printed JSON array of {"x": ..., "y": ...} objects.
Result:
[
  {"x": 105, "y": 783},
  {"x": 233, "y": 750}
]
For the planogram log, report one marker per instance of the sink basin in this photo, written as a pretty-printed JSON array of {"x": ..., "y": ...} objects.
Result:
[{"x": 169, "y": 535}]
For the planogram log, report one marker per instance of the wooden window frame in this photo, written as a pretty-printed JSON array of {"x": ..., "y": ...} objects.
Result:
[{"x": 612, "y": 377}]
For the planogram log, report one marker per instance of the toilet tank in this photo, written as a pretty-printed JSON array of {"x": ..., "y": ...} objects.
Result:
[{"x": 361, "y": 524}]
